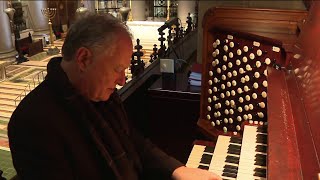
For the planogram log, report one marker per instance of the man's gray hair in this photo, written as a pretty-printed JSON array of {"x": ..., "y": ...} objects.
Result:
[{"x": 96, "y": 32}]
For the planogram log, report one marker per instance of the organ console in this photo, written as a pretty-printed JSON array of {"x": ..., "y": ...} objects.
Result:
[{"x": 260, "y": 94}]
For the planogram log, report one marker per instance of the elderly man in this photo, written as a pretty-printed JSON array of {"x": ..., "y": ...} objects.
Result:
[{"x": 73, "y": 125}]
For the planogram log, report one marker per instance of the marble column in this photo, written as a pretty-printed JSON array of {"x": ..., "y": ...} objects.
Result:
[
  {"x": 90, "y": 5},
  {"x": 138, "y": 10},
  {"x": 40, "y": 22},
  {"x": 185, "y": 7},
  {"x": 7, "y": 50}
]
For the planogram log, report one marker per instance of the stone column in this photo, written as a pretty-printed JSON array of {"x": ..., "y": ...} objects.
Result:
[
  {"x": 89, "y": 4},
  {"x": 185, "y": 7},
  {"x": 138, "y": 9},
  {"x": 40, "y": 22},
  {"x": 7, "y": 50}
]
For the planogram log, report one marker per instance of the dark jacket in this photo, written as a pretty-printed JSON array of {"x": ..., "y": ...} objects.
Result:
[{"x": 55, "y": 133}]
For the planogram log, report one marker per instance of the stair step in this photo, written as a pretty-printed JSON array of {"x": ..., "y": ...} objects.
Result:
[
  {"x": 10, "y": 91},
  {"x": 7, "y": 103},
  {"x": 12, "y": 86},
  {"x": 5, "y": 115},
  {"x": 18, "y": 85},
  {"x": 7, "y": 108}
]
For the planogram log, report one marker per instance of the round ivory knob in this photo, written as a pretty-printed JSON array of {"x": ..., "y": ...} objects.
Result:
[
  {"x": 240, "y": 109},
  {"x": 239, "y": 52},
  {"x": 254, "y": 95},
  {"x": 217, "y": 61},
  {"x": 226, "y": 111},
  {"x": 262, "y": 104},
  {"x": 231, "y": 44},
  {"x": 257, "y": 75},
  {"x": 247, "y": 78},
  {"x": 251, "y": 122},
  {"x": 214, "y": 63},
  {"x": 232, "y": 103},
  {"x": 225, "y": 129},
  {"x": 208, "y": 117},
  {"x": 259, "y": 52},
  {"x": 239, "y": 90},
  {"x": 225, "y": 48},
  {"x": 241, "y": 71},
  {"x": 217, "y": 51},
  {"x": 251, "y": 56},
  {"x": 229, "y": 74},
  {"x": 267, "y": 61},
  {"x": 260, "y": 114},
  {"x": 209, "y": 108},
  {"x": 209, "y": 100},
  {"x": 214, "y": 54},
  {"x": 264, "y": 94},
  {"x": 212, "y": 123},
  {"x": 265, "y": 83},
  {"x": 218, "y": 122},
  {"x": 215, "y": 89},
  {"x": 248, "y": 67},
  {"x": 228, "y": 93},
  {"x": 244, "y": 59},
  {"x": 246, "y": 88},
  {"x": 228, "y": 84},
  {"x": 214, "y": 45},
  {"x": 231, "y": 111},
  {"x": 222, "y": 95},
  {"x": 225, "y": 120},
  {"x": 219, "y": 105},
  {"x": 218, "y": 71},
  {"x": 225, "y": 58},
  {"x": 250, "y": 106},
  {"x": 234, "y": 73},
  {"x": 245, "y": 117},
  {"x": 261, "y": 123},
  {"x": 227, "y": 103},
  {"x": 224, "y": 67},
  {"x": 247, "y": 97},
  {"x": 223, "y": 77},
  {"x": 214, "y": 98},
  {"x": 218, "y": 113},
  {"x": 255, "y": 85},
  {"x": 223, "y": 86},
  {"x": 209, "y": 91},
  {"x": 230, "y": 120},
  {"x": 265, "y": 72},
  {"x": 210, "y": 82},
  {"x": 230, "y": 54},
  {"x": 246, "y": 107},
  {"x": 249, "y": 116},
  {"x": 243, "y": 79},
  {"x": 238, "y": 128},
  {"x": 238, "y": 62},
  {"x": 215, "y": 80},
  {"x": 258, "y": 64},
  {"x": 210, "y": 73},
  {"x": 239, "y": 118},
  {"x": 245, "y": 48},
  {"x": 234, "y": 83},
  {"x": 241, "y": 99},
  {"x": 216, "y": 106},
  {"x": 233, "y": 93},
  {"x": 230, "y": 64},
  {"x": 218, "y": 41}
]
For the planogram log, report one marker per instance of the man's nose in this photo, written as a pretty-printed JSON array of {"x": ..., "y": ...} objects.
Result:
[{"x": 122, "y": 79}]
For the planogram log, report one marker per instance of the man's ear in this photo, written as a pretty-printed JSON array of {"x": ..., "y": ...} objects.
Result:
[{"x": 83, "y": 58}]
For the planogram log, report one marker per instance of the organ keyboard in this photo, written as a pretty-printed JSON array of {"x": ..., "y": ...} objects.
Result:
[{"x": 234, "y": 157}]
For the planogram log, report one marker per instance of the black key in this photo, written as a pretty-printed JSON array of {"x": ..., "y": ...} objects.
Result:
[
  {"x": 230, "y": 167},
  {"x": 262, "y": 129},
  {"x": 236, "y": 140},
  {"x": 209, "y": 149},
  {"x": 232, "y": 159},
  {"x": 234, "y": 147},
  {"x": 203, "y": 167},
  {"x": 206, "y": 159},
  {"x": 234, "y": 171},
  {"x": 261, "y": 148},
  {"x": 261, "y": 138},
  {"x": 261, "y": 156},
  {"x": 260, "y": 163},
  {"x": 235, "y": 152},
  {"x": 232, "y": 175},
  {"x": 261, "y": 170},
  {"x": 259, "y": 174}
]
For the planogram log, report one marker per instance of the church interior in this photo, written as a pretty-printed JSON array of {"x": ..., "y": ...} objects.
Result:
[{"x": 227, "y": 86}]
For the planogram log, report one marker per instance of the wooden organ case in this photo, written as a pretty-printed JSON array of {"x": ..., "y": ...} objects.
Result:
[{"x": 260, "y": 69}]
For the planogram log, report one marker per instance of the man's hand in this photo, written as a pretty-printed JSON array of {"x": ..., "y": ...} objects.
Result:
[{"x": 184, "y": 173}]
